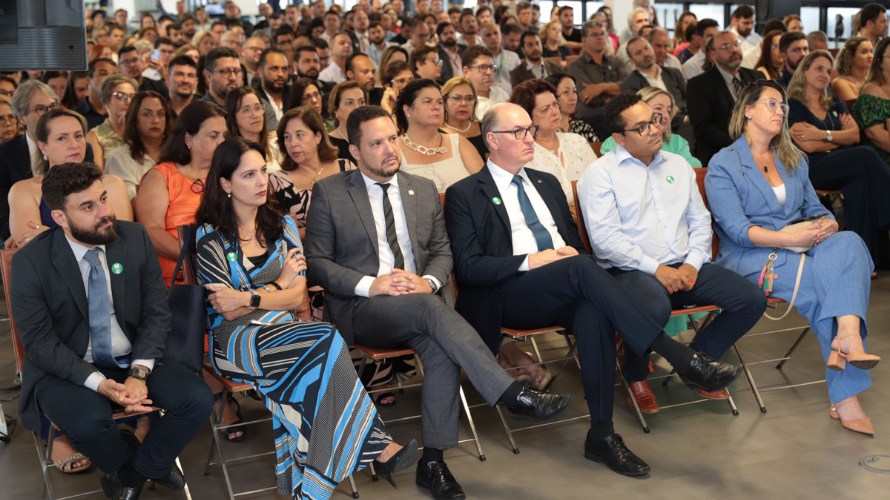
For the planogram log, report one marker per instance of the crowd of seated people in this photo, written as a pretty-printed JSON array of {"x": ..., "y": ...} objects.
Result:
[{"x": 371, "y": 114}]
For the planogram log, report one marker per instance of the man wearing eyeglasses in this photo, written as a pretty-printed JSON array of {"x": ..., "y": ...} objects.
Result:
[
  {"x": 711, "y": 95},
  {"x": 650, "y": 229},
  {"x": 480, "y": 69},
  {"x": 222, "y": 72},
  {"x": 506, "y": 60},
  {"x": 520, "y": 263},
  {"x": 131, "y": 65},
  {"x": 420, "y": 36},
  {"x": 535, "y": 65}
]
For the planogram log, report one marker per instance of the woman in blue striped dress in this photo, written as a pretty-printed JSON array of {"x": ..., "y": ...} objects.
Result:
[{"x": 250, "y": 258}]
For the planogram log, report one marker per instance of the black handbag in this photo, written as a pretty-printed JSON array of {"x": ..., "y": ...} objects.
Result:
[{"x": 188, "y": 313}]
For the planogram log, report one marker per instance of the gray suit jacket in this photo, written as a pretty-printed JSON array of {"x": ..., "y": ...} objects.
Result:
[
  {"x": 51, "y": 312},
  {"x": 341, "y": 239}
]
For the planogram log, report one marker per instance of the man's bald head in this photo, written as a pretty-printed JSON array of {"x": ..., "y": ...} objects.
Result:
[{"x": 508, "y": 151}]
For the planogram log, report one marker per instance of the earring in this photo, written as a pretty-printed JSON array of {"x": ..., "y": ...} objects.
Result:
[
  {"x": 229, "y": 195},
  {"x": 44, "y": 158},
  {"x": 748, "y": 117}
]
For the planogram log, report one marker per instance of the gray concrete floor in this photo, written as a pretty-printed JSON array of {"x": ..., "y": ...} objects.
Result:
[{"x": 698, "y": 451}]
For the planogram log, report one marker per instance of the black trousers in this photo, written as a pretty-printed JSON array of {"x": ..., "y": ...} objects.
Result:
[
  {"x": 85, "y": 416},
  {"x": 579, "y": 295},
  {"x": 864, "y": 179},
  {"x": 741, "y": 300}
]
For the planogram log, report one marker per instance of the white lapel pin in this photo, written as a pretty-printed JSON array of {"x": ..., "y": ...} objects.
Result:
[{"x": 410, "y": 192}]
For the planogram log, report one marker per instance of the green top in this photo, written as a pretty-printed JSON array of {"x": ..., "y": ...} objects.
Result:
[
  {"x": 108, "y": 139},
  {"x": 869, "y": 111},
  {"x": 677, "y": 145}
]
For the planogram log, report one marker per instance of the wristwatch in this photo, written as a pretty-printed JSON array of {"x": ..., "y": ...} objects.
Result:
[
  {"x": 254, "y": 299},
  {"x": 829, "y": 136},
  {"x": 433, "y": 284},
  {"x": 138, "y": 373}
]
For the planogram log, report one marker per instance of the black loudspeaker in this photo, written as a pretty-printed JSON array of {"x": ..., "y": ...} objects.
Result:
[{"x": 42, "y": 35}]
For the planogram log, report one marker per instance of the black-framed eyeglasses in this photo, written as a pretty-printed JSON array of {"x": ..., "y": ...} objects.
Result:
[
  {"x": 647, "y": 127},
  {"x": 520, "y": 133},
  {"x": 198, "y": 186},
  {"x": 485, "y": 68},
  {"x": 43, "y": 109},
  {"x": 7, "y": 93},
  {"x": 227, "y": 72}
]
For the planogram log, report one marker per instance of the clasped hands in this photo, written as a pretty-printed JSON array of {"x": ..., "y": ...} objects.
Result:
[
  {"x": 399, "y": 282},
  {"x": 814, "y": 234},
  {"x": 536, "y": 260},
  {"x": 681, "y": 279},
  {"x": 132, "y": 394}
]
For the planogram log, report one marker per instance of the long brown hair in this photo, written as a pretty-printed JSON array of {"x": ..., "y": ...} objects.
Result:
[
  {"x": 327, "y": 152},
  {"x": 766, "y": 58},
  {"x": 131, "y": 128},
  {"x": 785, "y": 149},
  {"x": 797, "y": 87},
  {"x": 233, "y": 103},
  {"x": 876, "y": 73},
  {"x": 41, "y": 132},
  {"x": 844, "y": 63}
]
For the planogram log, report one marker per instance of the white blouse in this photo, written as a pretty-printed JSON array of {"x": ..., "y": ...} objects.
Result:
[
  {"x": 576, "y": 155},
  {"x": 780, "y": 194}
]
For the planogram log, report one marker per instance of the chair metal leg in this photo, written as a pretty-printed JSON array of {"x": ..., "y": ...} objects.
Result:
[
  {"x": 373, "y": 472},
  {"x": 793, "y": 348},
  {"x": 633, "y": 400},
  {"x": 732, "y": 406},
  {"x": 352, "y": 485},
  {"x": 537, "y": 351},
  {"x": 463, "y": 400},
  {"x": 572, "y": 350},
  {"x": 507, "y": 428},
  {"x": 218, "y": 439},
  {"x": 212, "y": 445},
  {"x": 43, "y": 463},
  {"x": 750, "y": 379}
]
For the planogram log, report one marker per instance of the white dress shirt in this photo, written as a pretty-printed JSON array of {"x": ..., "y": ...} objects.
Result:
[
  {"x": 33, "y": 151},
  {"x": 507, "y": 61},
  {"x": 496, "y": 95},
  {"x": 727, "y": 77},
  {"x": 658, "y": 81},
  {"x": 524, "y": 242},
  {"x": 672, "y": 62},
  {"x": 387, "y": 259},
  {"x": 277, "y": 108},
  {"x": 693, "y": 66},
  {"x": 751, "y": 56},
  {"x": 639, "y": 217},
  {"x": 120, "y": 345},
  {"x": 332, "y": 74},
  {"x": 749, "y": 42}
]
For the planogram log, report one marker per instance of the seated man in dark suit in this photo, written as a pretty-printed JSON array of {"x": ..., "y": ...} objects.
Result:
[
  {"x": 520, "y": 263},
  {"x": 91, "y": 309},
  {"x": 382, "y": 256},
  {"x": 20, "y": 154},
  {"x": 712, "y": 94}
]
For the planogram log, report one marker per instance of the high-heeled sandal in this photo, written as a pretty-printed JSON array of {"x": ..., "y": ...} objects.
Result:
[
  {"x": 233, "y": 428},
  {"x": 863, "y": 426},
  {"x": 401, "y": 460},
  {"x": 837, "y": 360}
]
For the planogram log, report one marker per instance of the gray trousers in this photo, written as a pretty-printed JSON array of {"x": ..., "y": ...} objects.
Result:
[{"x": 445, "y": 342}]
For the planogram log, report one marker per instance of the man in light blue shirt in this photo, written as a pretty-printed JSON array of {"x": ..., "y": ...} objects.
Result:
[{"x": 650, "y": 228}]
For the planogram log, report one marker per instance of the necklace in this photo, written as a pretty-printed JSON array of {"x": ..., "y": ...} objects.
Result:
[
  {"x": 249, "y": 235},
  {"x": 469, "y": 124},
  {"x": 423, "y": 149},
  {"x": 341, "y": 132},
  {"x": 317, "y": 173}
]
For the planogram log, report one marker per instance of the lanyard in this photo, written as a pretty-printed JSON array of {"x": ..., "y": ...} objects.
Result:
[{"x": 500, "y": 64}]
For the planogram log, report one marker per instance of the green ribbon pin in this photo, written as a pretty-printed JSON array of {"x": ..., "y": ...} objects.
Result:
[
  {"x": 232, "y": 256},
  {"x": 496, "y": 200},
  {"x": 670, "y": 179},
  {"x": 117, "y": 268}
]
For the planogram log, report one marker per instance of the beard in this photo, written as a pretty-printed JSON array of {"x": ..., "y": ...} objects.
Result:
[
  {"x": 95, "y": 236},
  {"x": 379, "y": 170},
  {"x": 312, "y": 74},
  {"x": 271, "y": 87},
  {"x": 449, "y": 44}
]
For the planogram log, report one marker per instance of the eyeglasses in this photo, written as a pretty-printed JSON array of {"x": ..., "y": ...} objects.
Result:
[
  {"x": 402, "y": 81},
  {"x": 256, "y": 108},
  {"x": 520, "y": 133},
  {"x": 727, "y": 46},
  {"x": 198, "y": 186},
  {"x": 457, "y": 99},
  {"x": 7, "y": 93},
  {"x": 565, "y": 94},
  {"x": 127, "y": 62},
  {"x": 43, "y": 109},
  {"x": 485, "y": 68},
  {"x": 228, "y": 72},
  {"x": 647, "y": 127},
  {"x": 433, "y": 60},
  {"x": 312, "y": 96},
  {"x": 123, "y": 96},
  {"x": 7, "y": 120},
  {"x": 774, "y": 105}
]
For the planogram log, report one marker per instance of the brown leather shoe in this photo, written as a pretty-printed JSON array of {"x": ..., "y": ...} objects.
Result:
[
  {"x": 721, "y": 394},
  {"x": 644, "y": 396}
]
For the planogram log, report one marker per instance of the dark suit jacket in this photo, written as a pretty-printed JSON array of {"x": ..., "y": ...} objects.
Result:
[
  {"x": 710, "y": 107},
  {"x": 521, "y": 73},
  {"x": 51, "y": 312},
  {"x": 447, "y": 70},
  {"x": 15, "y": 165},
  {"x": 482, "y": 244},
  {"x": 675, "y": 83},
  {"x": 341, "y": 239}
]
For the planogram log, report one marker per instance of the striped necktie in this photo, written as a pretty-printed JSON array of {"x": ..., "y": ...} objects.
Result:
[{"x": 391, "y": 238}]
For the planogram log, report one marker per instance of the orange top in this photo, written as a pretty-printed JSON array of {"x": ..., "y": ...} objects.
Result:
[{"x": 181, "y": 210}]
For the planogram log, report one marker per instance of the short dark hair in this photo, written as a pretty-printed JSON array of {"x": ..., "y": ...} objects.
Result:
[
  {"x": 743, "y": 12},
  {"x": 217, "y": 54},
  {"x": 406, "y": 98},
  {"x": 441, "y": 27},
  {"x": 525, "y": 93},
  {"x": 870, "y": 13},
  {"x": 465, "y": 14},
  {"x": 188, "y": 122},
  {"x": 509, "y": 29},
  {"x": 66, "y": 179},
  {"x": 299, "y": 50},
  {"x": 284, "y": 31},
  {"x": 789, "y": 38},
  {"x": 527, "y": 34},
  {"x": 456, "y": 10},
  {"x": 775, "y": 24},
  {"x": 91, "y": 67},
  {"x": 174, "y": 26},
  {"x": 272, "y": 50},
  {"x": 409, "y": 22},
  {"x": 351, "y": 59},
  {"x": 615, "y": 107},
  {"x": 419, "y": 53},
  {"x": 482, "y": 9},
  {"x": 319, "y": 43},
  {"x": 163, "y": 41},
  {"x": 704, "y": 24},
  {"x": 182, "y": 61},
  {"x": 359, "y": 116},
  {"x": 374, "y": 24},
  {"x": 214, "y": 23},
  {"x": 473, "y": 53},
  {"x": 332, "y": 13},
  {"x": 522, "y": 6},
  {"x": 124, "y": 50},
  {"x": 563, "y": 9}
]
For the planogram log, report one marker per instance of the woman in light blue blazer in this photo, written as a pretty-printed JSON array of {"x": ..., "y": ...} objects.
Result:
[{"x": 760, "y": 184}]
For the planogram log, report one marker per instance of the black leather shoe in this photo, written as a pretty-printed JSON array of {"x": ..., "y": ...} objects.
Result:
[
  {"x": 612, "y": 451},
  {"x": 536, "y": 405},
  {"x": 115, "y": 490},
  {"x": 707, "y": 374},
  {"x": 398, "y": 462},
  {"x": 173, "y": 479},
  {"x": 436, "y": 477}
]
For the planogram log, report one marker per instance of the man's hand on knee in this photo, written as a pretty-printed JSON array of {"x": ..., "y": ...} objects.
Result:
[
  {"x": 412, "y": 282},
  {"x": 388, "y": 284},
  {"x": 540, "y": 259},
  {"x": 117, "y": 393},
  {"x": 670, "y": 278},
  {"x": 689, "y": 275}
]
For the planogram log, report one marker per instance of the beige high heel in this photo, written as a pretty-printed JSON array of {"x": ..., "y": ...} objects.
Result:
[
  {"x": 837, "y": 359},
  {"x": 863, "y": 426}
]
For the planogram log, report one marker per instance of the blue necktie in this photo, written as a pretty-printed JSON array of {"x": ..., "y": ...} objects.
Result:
[
  {"x": 542, "y": 236},
  {"x": 100, "y": 313}
]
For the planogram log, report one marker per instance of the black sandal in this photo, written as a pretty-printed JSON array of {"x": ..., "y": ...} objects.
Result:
[
  {"x": 232, "y": 428},
  {"x": 378, "y": 396}
]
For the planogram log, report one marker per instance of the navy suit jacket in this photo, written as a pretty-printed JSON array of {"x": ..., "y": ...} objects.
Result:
[{"x": 482, "y": 243}]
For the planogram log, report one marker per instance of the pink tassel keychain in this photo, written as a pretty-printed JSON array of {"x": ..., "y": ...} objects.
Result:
[{"x": 767, "y": 275}]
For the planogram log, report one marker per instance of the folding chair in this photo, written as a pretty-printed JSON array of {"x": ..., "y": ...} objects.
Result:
[
  {"x": 688, "y": 312},
  {"x": 45, "y": 451}
]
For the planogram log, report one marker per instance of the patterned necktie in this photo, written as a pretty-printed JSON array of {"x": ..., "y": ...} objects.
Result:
[
  {"x": 391, "y": 237},
  {"x": 100, "y": 313},
  {"x": 738, "y": 86},
  {"x": 542, "y": 236}
]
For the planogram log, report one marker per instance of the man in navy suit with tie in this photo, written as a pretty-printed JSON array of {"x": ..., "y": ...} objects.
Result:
[{"x": 520, "y": 263}]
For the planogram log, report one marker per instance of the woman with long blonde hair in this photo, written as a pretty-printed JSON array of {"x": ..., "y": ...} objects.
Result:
[{"x": 756, "y": 187}]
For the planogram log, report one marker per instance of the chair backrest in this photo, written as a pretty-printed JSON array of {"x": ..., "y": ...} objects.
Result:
[
  {"x": 700, "y": 174},
  {"x": 582, "y": 227},
  {"x": 17, "y": 346},
  {"x": 557, "y": 59},
  {"x": 597, "y": 148}
]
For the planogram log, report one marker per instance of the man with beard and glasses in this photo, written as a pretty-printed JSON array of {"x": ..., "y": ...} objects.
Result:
[
  {"x": 360, "y": 68},
  {"x": 506, "y": 60},
  {"x": 449, "y": 52},
  {"x": 535, "y": 65},
  {"x": 376, "y": 241},
  {"x": 182, "y": 80},
  {"x": 96, "y": 345},
  {"x": 794, "y": 47},
  {"x": 222, "y": 72},
  {"x": 341, "y": 49},
  {"x": 712, "y": 95},
  {"x": 743, "y": 18},
  {"x": 271, "y": 81},
  {"x": 648, "y": 74},
  {"x": 378, "y": 42},
  {"x": 131, "y": 65},
  {"x": 468, "y": 30}
]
